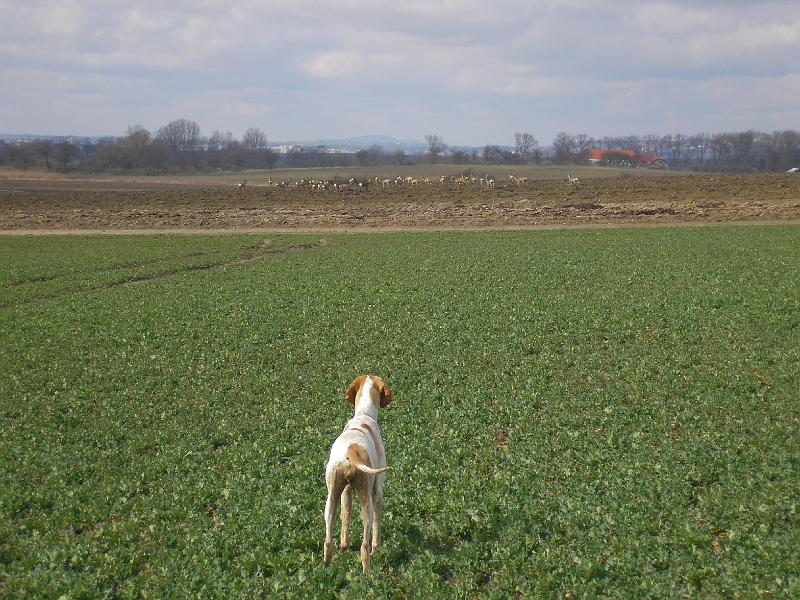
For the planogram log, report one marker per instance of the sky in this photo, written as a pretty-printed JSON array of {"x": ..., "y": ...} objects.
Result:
[{"x": 472, "y": 72}]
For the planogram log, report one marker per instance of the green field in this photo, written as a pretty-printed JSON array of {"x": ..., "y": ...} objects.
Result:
[{"x": 577, "y": 413}]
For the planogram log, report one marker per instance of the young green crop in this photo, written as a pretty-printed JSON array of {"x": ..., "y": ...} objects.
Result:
[{"x": 609, "y": 413}]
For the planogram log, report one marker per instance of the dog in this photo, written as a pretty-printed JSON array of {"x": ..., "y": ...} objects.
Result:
[{"x": 357, "y": 461}]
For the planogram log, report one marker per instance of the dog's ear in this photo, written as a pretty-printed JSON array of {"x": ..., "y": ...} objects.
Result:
[
  {"x": 352, "y": 391},
  {"x": 386, "y": 395}
]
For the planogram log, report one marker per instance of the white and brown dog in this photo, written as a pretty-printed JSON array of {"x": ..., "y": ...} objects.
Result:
[{"x": 358, "y": 461}]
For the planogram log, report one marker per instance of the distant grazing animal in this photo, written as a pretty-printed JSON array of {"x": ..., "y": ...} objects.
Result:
[
  {"x": 571, "y": 179},
  {"x": 242, "y": 184},
  {"x": 358, "y": 461}
]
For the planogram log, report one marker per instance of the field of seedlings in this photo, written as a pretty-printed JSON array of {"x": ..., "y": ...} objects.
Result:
[{"x": 576, "y": 413}]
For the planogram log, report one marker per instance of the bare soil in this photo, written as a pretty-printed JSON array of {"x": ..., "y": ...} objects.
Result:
[{"x": 50, "y": 205}]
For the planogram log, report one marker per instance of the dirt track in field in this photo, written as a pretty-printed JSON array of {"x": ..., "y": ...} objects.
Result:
[{"x": 49, "y": 205}]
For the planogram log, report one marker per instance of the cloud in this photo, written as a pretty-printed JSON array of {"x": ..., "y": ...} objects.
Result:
[
  {"x": 335, "y": 64},
  {"x": 248, "y": 109},
  {"x": 335, "y": 67},
  {"x": 506, "y": 79}
]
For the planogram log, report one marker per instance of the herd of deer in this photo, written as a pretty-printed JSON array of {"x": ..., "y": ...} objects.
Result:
[{"x": 337, "y": 183}]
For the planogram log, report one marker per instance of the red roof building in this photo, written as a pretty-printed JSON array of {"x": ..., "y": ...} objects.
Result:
[{"x": 625, "y": 157}]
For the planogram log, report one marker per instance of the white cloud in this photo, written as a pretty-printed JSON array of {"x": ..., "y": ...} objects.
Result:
[
  {"x": 418, "y": 62},
  {"x": 333, "y": 64}
]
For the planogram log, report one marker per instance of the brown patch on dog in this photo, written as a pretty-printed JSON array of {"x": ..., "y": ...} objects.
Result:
[
  {"x": 381, "y": 399},
  {"x": 358, "y": 455},
  {"x": 385, "y": 392},
  {"x": 374, "y": 437},
  {"x": 352, "y": 391}
]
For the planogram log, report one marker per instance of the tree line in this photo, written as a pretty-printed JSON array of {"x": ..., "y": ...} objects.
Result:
[
  {"x": 175, "y": 147},
  {"x": 739, "y": 151},
  {"x": 179, "y": 147}
]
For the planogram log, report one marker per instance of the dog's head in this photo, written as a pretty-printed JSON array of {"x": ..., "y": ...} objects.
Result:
[{"x": 379, "y": 392}]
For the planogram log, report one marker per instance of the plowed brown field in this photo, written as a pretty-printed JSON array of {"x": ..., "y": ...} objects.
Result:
[{"x": 65, "y": 204}]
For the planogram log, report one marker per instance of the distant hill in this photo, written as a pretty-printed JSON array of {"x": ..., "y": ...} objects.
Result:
[
  {"x": 29, "y": 137},
  {"x": 359, "y": 142}
]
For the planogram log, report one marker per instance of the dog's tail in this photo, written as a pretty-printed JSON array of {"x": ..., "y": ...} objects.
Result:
[{"x": 357, "y": 460}]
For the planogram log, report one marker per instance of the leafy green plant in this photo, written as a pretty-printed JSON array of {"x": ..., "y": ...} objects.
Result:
[{"x": 595, "y": 413}]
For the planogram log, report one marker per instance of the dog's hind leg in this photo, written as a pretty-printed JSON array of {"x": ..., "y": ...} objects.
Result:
[
  {"x": 367, "y": 516},
  {"x": 335, "y": 487},
  {"x": 347, "y": 504},
  {"x": 376, "y": 525}
]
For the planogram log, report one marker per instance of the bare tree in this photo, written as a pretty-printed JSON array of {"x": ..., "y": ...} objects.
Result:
[
  {"x": 137, "y": 136},
  {"x": 525, "y": 146},
  {"x": 180, "y": 134},
  {"x": 436, "y": 146},
  {"x": 399, "y": 158},
  {"x": 254, "y": 139},
  {"x": 460, "y": 157},
  {"x": 136, "y": 147},
  {"x": 44, "y": 148},
  {"x": 650, "y": 143},
  {"x": 742, "y": 146},
  {"x": 220, "y": 141},
  {"x": 19, "y": 155},
  {"x": 375, "y": 154},
  {"x": 369, "y": 157},
  {"x": 678, "y": 149},
  {"x": 215, "y": 140},
  {"x": 362, "y": 157},
  {"x": 698, "y": 147},
  {"x": 65, "y": 153},
  {"x": 582, "y": 143},
  {"x": 564, "y": 146},
  {"x": 492, "y": 154},
  {"x": 664, "y": 145},
  {"x": 719, "y": 149},
  {"x": 787, "y": 149}
]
